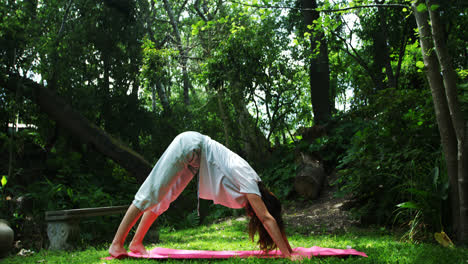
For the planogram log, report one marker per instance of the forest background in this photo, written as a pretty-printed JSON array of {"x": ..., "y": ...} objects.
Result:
[{"x": 92, "y": 92}]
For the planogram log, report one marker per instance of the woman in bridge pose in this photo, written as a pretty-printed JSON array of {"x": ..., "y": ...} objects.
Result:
[{"x": 224, "y": 177}]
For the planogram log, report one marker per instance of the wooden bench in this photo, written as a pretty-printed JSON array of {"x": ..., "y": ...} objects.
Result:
[{"x": 63, "y": 225}]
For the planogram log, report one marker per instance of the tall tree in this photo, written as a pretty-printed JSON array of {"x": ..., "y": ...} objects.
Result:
[
  {"x": 452, "y": 126},
  {"x": 381, "y": 48},
  {"x": 318, "y": 64},
  {"x": 174, "y": 20},
  {"x": 156, "y": 59},
  {"x": 156, "y": 63}
]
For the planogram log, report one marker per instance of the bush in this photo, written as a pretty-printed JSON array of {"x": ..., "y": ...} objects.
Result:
[
  {"x": 395, "y": 158},
  {"x": 280, "y": 171}
]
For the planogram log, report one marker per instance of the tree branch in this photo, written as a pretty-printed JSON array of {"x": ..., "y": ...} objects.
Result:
[
  {"x": 318, "y": 9},
  {"x": 356, "y": 57},
  {"x": 180, "y": 11},
  {"x": 62, "y": 26},
  {"x": 199, "y": 12},
  {"x": 78, "y": 125}
]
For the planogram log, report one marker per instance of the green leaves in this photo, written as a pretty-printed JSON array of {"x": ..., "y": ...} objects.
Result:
[
  {"x": 434, "y": 7},
  {"x": 4, "y": 180},
  {"x": 421, "y": 7},
  {"x": 197, "y": 26},
  {"x": 420, "y": 65},
  {"x": 409, "y": 204}
]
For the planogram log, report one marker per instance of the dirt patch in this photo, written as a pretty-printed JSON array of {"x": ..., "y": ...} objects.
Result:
[{"x": 326, "y": 214}]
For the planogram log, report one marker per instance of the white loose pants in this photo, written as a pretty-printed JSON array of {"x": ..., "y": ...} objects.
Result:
[{"x": 169, "y": 177}]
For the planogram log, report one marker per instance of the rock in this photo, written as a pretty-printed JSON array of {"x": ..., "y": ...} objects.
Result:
[
  {"x": 310, "y": 177},
  {"x": 6, "y": 238},
  {"x": 309, "y": 182}
]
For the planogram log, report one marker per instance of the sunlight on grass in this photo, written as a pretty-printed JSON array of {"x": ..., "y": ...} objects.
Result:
[{"x": 381, "y": 247}]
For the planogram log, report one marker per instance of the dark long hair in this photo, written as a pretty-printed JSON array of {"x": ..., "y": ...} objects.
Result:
[{"x": 273, "y": 205}]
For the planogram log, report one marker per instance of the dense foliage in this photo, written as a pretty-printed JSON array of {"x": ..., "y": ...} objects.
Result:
[{"x": 144, "y": 71}]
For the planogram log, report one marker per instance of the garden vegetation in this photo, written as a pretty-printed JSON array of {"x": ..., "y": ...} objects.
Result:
[{"x": 92, "y": 93}]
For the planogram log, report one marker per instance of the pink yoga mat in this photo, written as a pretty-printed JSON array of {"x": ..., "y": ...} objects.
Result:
[{"x": 165, "y": 253}]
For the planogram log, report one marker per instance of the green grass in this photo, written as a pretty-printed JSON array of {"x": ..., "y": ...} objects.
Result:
[{"x": 381, "y": 247}]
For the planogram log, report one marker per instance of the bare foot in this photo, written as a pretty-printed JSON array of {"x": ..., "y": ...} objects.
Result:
[
  {"x": 138, "y": 248},
  {"x": 117, "y": 251}
]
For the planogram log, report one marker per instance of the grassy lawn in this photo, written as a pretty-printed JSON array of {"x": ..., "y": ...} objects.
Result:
[{"x": 381, "y": 247}]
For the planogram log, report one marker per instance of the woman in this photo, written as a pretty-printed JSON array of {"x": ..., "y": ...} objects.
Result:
[{"x": 224, "y": 177}]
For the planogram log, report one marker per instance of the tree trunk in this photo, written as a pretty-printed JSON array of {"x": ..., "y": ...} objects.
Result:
[
  {"x": 382, "y": 53},
  {"x": 54, "y": 106},
  {"x": 447, "y": 133},
  {"x": 164, "y": 98},
  {"x": 222, "y": 113},
  {"x": 54, "y": 56},
  {"x": 135, "y": 82},
  {"x": 255, "y": 144},
  {"x": 105, "y": 89},
  {"x": 319, "y": 72},
  {"x": 450, "y": 83},
  {"x": 153, "y": 98},
  {"x": 182, "y": 51},
  {"x": 401, "y": 53}
]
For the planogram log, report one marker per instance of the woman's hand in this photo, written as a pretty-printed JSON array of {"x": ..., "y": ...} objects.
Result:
[
  {"x": 287, "y": 243},
  {"x": 269, "y": 223}
]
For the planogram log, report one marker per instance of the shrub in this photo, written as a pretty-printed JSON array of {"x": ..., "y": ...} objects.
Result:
[{"x": 395, "y": 158}]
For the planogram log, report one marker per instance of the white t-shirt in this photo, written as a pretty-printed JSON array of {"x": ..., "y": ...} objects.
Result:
[{"x": 224, "y": 176}]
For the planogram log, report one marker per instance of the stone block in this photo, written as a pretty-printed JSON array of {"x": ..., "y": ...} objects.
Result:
[{"x": 63, "y": 235}]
